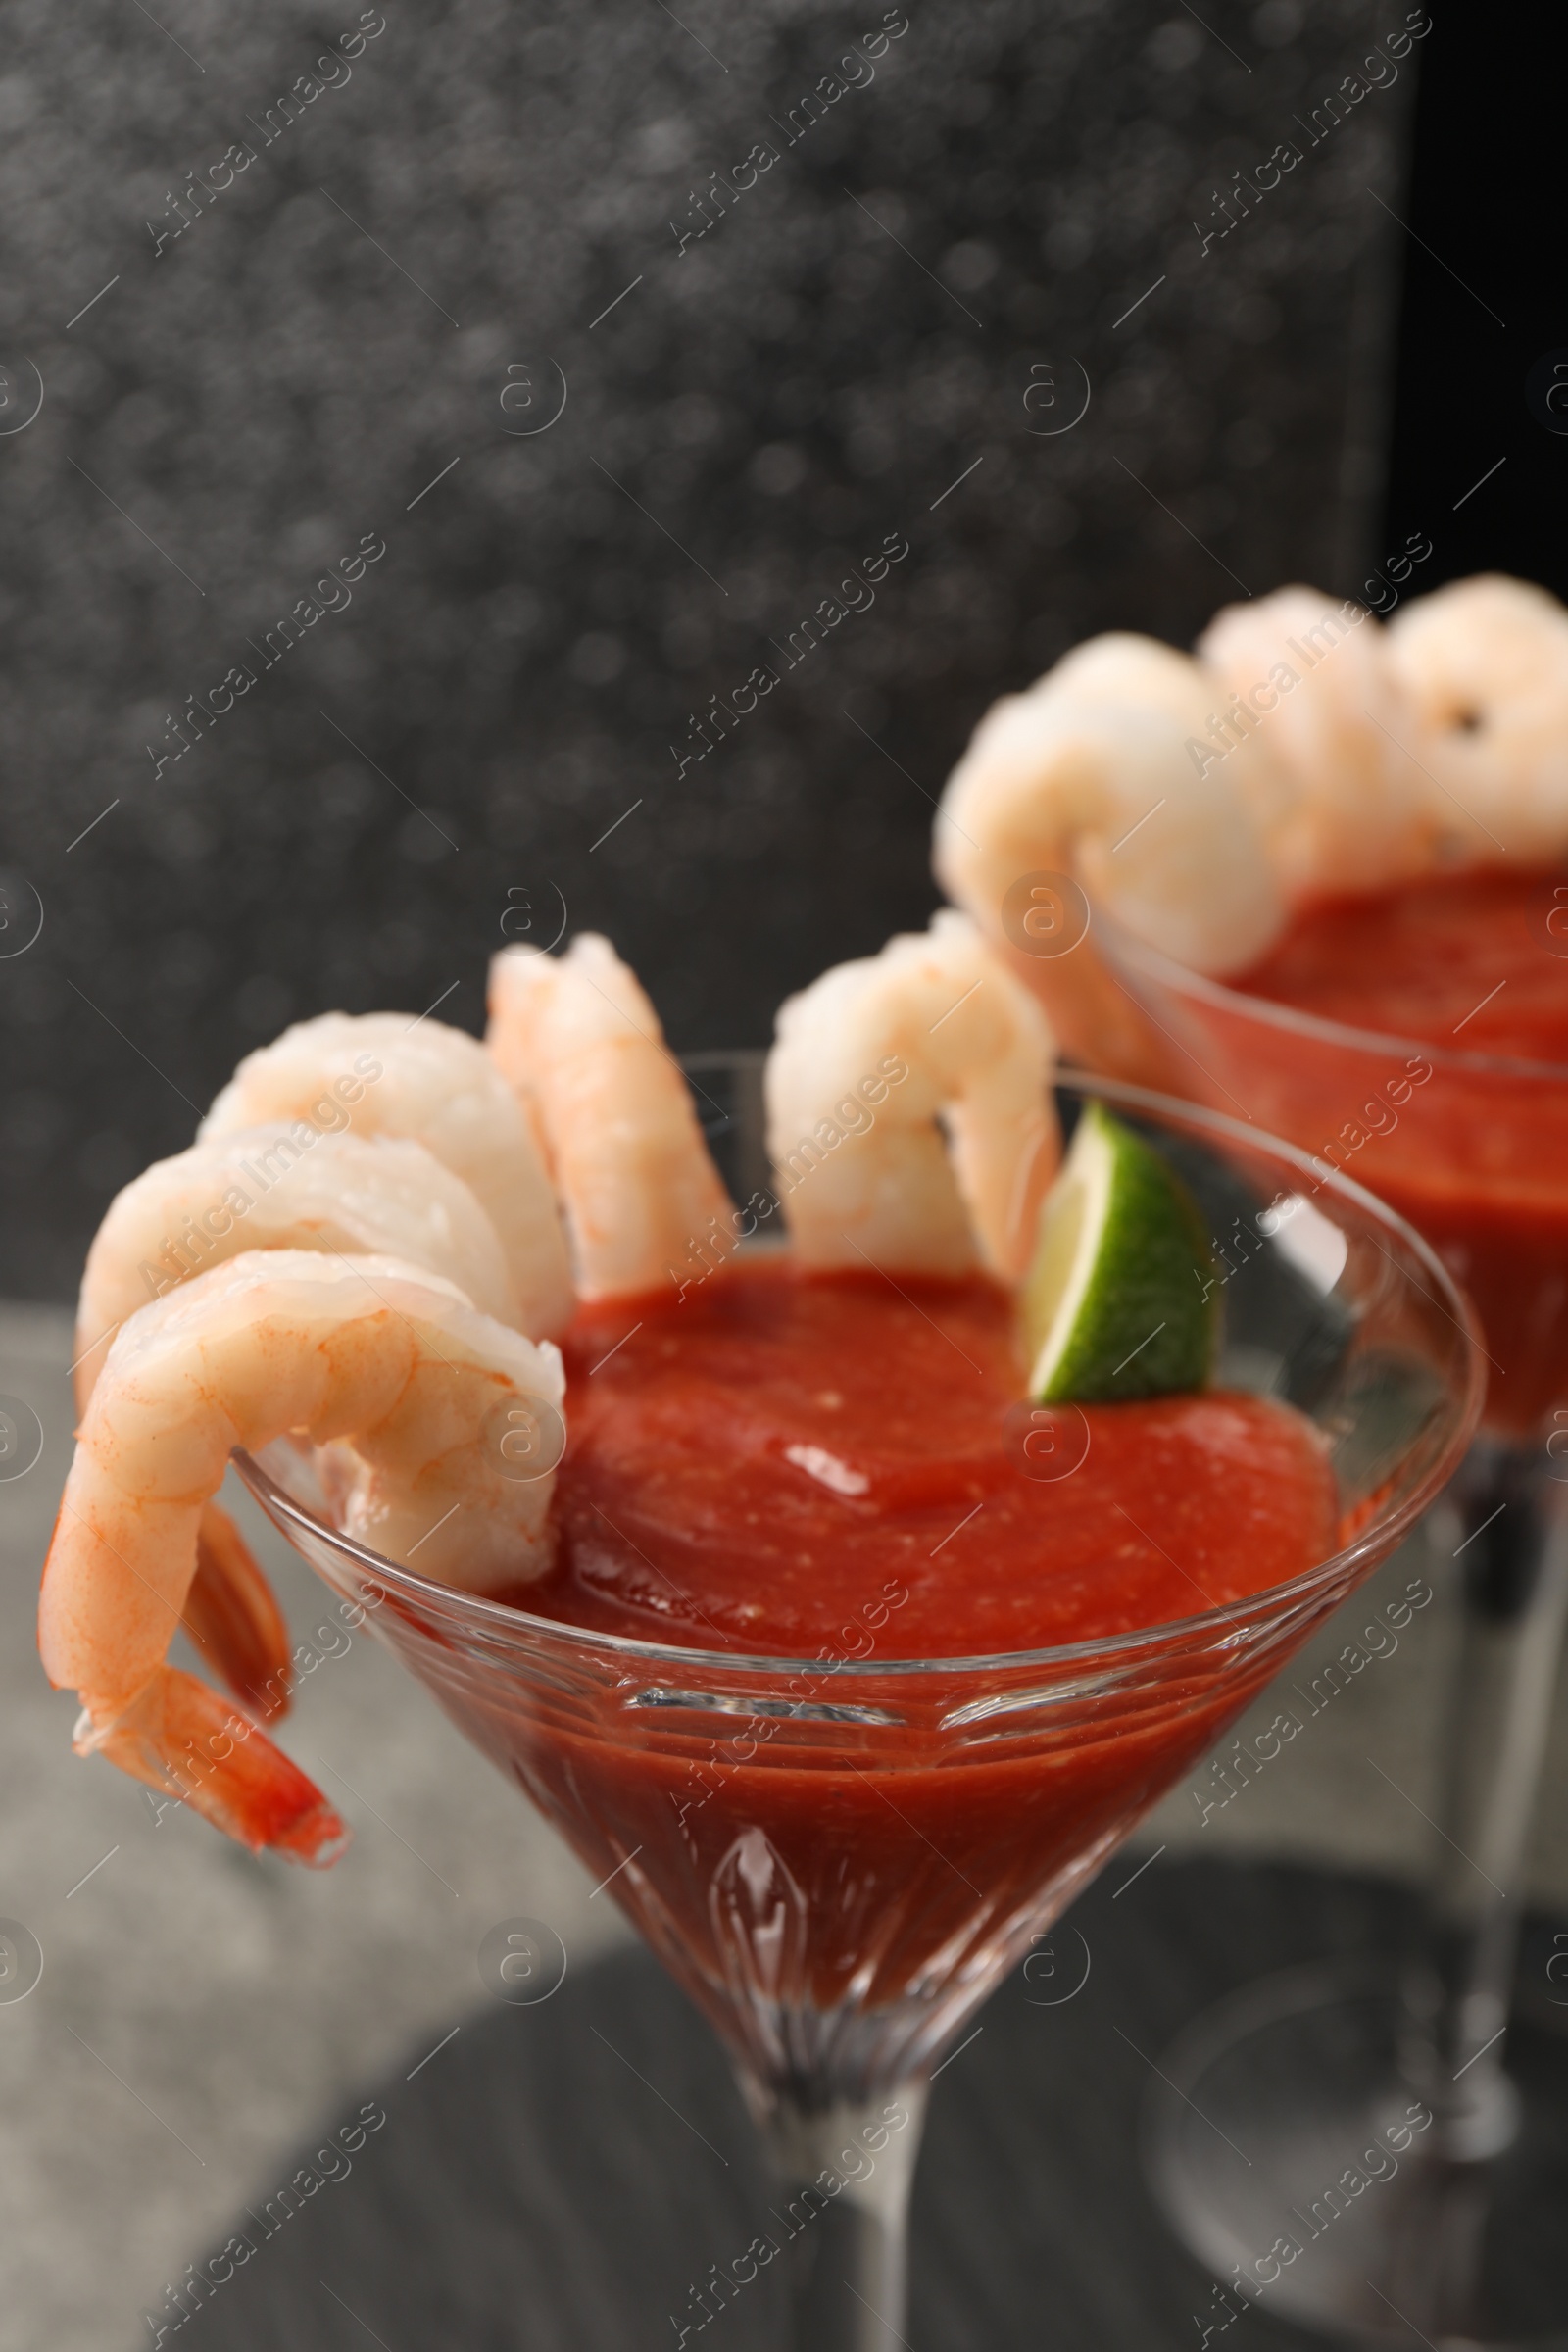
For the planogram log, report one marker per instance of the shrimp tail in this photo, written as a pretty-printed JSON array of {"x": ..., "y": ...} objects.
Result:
[
  {"x": 343, "y": 1350},
  {"x": 186, "y": 1741},
  {"x": 232, "y": 1616},
  {"x": 581, "y": 1045}
]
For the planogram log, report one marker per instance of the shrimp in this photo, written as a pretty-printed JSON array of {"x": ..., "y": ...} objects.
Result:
[
  {"x": 417, "y": 1394},
  {"x": 866, "y": 1060},
  {"x": 182, "y": 1215},
  {"x": 1090, "y": 774},
  {"x": 578, "y": 1039},
  {"x": 232, "y": 1615},
  {"x": 251, "y": 1188},
  {"x": 1483, "y": 667},
  {"x": 437, "y": 1087},
  {"x": 1310, "y": 678},
  {"x": 1093, "y": 776}
]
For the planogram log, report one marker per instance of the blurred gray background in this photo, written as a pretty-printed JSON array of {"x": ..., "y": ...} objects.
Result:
[{"x": 365, "y": 331}]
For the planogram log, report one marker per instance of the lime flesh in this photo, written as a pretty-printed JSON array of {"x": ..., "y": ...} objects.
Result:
[{"x": 1119, "y": 1300}]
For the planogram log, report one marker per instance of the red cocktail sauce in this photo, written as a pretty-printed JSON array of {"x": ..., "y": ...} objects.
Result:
[
  {"x": 832, "y": 1469},
  {"x": 758, "y": 1465},
  {"x": 1472, "y": 970},
  {"x": 1474, "y": 964}
]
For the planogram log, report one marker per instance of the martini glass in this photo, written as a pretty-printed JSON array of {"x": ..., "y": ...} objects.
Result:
[
  {"x": 1473, "y": 1150},
  {"x": 839, "y": 1857}
]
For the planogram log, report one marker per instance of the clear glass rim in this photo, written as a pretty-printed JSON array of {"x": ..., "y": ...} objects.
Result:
[
  {"x": 1380, "y": 1532},
  {"x": 1182, "y": 980}
]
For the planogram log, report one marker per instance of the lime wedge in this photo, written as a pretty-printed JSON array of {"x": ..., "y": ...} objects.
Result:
[{"x": 1119, "y": 1300}]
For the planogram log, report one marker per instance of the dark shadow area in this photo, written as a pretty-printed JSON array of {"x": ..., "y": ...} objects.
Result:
[
  {"x": 564, "y": 2178},
  {"x": 1478, "y": 460}
]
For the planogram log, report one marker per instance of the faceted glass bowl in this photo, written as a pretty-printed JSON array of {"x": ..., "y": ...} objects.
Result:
[{"x": 839, "y": 1856}]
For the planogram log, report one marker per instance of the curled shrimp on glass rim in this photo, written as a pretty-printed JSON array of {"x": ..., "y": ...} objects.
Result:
[
  {"x": 1309, "y": 677},
  {"x": 1307, "y": 752},
  {"x": 389, "y": 1075},
  {"x": 251, "y": 1188},
  {"x": 1087, "y": 782},
  {"x": 580, "y": 1043},
  {"x": 255, "y": 1190},
  {"x": 1483, "y": 665},
  {"x": 412, "y": 1392},
  {"x": 910, "y": 1122}
]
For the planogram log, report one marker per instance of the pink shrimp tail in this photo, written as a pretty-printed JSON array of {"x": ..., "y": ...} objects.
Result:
[
  {"x": 232, "y": 1616},
  {"x": 188, "y": 1743}
]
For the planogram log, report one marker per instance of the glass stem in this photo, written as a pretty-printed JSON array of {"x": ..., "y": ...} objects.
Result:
[
  {"x": 843, "y": 2175},
  {"x": 1514, "y": 1558}
]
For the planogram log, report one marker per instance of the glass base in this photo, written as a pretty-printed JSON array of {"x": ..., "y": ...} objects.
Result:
[{"x": 1288, "y": 2155}]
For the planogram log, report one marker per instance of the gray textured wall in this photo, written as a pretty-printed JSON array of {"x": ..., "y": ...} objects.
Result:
[{"x": 252, "y": 398}]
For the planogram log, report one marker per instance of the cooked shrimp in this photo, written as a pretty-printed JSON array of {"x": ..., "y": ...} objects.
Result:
[
  {"x": 232, "y": 1615},
  {"x": 1097, "y": 776},
  {"x": 437, "y": 1087},
  {"x": 1483, "y": 668},
  {"x": 1090, "y": 775},
  {"x": 866, "y": 1060},
  {"x": 580, "y": 1042},
  {"x": 1309, "y": 677},
  {"x": 252, "y": 1189},
  {"x": 389, "y": 1365}
]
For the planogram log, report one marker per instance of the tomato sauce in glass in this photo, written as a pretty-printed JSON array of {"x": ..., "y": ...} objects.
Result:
[
  {"x": 839, "y": 1470},
  {"x": 1474, "y": 1152},
  {"x": 1475, "y": 961},
  {"x": 756, "y": 1466}
]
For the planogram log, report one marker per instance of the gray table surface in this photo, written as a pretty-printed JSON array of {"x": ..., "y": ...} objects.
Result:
[
  {"x": 569, "y": 2179},
  {"x": 200, "y": 2012}
]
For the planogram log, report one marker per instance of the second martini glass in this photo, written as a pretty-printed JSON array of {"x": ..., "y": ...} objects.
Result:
[
  {"x": 1472, "y": 1148},
  {"x": 839, "y": 1857}
]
